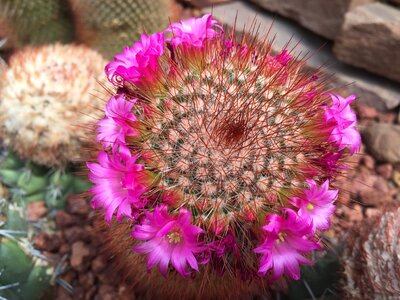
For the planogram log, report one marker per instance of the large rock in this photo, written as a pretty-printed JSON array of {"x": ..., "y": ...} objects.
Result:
[
  {"x": 371, "y": 89},
  {"x": 383, "y": 141},
  {"x": 370, "y": 39},
  {"x": 323, "y": 17}
]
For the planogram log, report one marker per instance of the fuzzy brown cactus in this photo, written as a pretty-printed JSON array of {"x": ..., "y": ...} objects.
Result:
[{"x": 371, "y": 260}]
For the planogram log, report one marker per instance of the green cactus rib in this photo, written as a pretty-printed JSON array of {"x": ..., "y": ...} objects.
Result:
[
  {"x": 109, "y": 25},
  {"x": 35, "y": 22},
  {"x": 29, "y": 182}
]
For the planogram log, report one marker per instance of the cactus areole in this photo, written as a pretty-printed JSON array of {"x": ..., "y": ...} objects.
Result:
[{"x": 220, "y": 154}]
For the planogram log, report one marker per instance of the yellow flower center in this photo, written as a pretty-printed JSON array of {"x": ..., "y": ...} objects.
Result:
[
  {"x": 174, "y": 237},
  {"x": 310, "y": 206}
]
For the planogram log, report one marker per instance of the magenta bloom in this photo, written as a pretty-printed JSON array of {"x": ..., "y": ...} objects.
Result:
[
  {"x": 316, "y": 204},
  {"x": 283, "y": 58},
  {"x": 169, "y": 239},
  {"x": 117, "y": 180},
  {"x": 114, "y": 127},
  {"x": 139, "y": 63},
  {"x": 342, "y": 120},
  {"x": 194, "y": 32},
  {"x": 286, "y": 240}
]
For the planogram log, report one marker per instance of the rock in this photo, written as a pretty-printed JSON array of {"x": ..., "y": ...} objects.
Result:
[
  {"x": 368, "y": 161},
  {"x": 366, "y": 111},
  {"x": 75, "y": 233},
  {"x": 373, "y": 90},
  {"x": 43, "y": 241},
  {"x": 369, "y": 38},
  {"x": 204, "y": 3},
  {"x": 385, "y": 170},
  {"x": 64, "y": 219},
  {"x": 99, "y": 264},
  {"x": 36, "y": 210},
  {"x": 383, "y": 141},
  {"x": 80, "y": 251},
  {"x": 77, "y": 205},
  {"x": 322, "y": 17}
]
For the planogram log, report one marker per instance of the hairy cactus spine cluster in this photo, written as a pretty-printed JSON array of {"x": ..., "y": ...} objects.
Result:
[
  {"x": 220, "y": 159},
  {"x": 46, "y": 95}
]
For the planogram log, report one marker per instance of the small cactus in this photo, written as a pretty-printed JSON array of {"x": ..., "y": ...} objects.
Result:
[
  {"x": 45, "y": 94},
  {"x": 35, "y": 22},
  {"x": 371, "y": 259},
  {"x": 25, "y": 274},
  {"x": 109, "y": 25},
  {"x": 217, "y": 161},
  {"x": 28, "y": 182}
]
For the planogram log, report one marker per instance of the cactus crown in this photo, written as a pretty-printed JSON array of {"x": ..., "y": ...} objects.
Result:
[{"x": 218, "y": 151}]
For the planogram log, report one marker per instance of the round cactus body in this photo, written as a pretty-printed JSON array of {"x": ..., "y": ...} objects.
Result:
[
  {"x": 218, "y": 159},
  {"x": 109, "y": 25},
  {"x": 35, "y": 22},
  {"x": 46, "y": 93}
]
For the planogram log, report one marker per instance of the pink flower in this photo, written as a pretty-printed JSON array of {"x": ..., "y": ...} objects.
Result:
[
  {"x": 115, "y": 126},
  {"x": 139, "y": 63},
  {"x": 194, "y": 32},
  {"x": 316, "y": 204},
  {"x": 283, "y": 58},
  {"x": 286, "y": 240},
  {"x": 169, "y": 239},
  {"x": 342, "y": 121},
  {"x": 119, "y": 184}
]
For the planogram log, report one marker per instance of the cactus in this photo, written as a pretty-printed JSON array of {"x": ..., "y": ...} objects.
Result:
[
  {"x": 28, "y": 182},
  {"x": 35, "y": 22},
  {"x": 25, "y": 273},
  {"x": 371, "y": 259},
  {"x": 108, "y": 25},
  {"x": 45, "y": 94},
  {"x": 217, "y": 162}
]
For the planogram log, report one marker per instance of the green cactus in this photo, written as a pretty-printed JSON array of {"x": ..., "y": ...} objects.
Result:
[
  {"x": 29, "y": 182},
  {"x": 109, "y": 25},
  {"x": 24, "y": 272},
  {"x": 35, "y": 22}
]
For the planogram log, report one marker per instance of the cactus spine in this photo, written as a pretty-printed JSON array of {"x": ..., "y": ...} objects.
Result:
[
  {"x": 35, "y": 22},
  {"x": 109, "y": 25}
]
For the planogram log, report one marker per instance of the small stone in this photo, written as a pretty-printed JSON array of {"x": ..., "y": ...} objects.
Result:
[
  {"x": 62, "y": 294},
  {"x": 73, "y": 234},
  {"x": 77, "y": 205},
  {"x": 64, "y": 249},
  {"x": 366, "y": 111},
  {"x": 355, "y": 214},
  {"x": 383, "y": 141},
  {"x": 86, "y": 280},
  {"x": 79, "y": 252},
  {"x": 385, "y": 170},
  {"x": 106, "y": 292},
  {"x": 99, "y": 263},
  {"x": 36, "y": 210},
  {"x": 368, "y": 161},
  {"x": 43, "y": 241},
  {"x": 371, "y": 212},
  {"x": 63, "y": 219}
]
